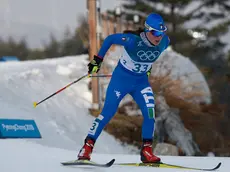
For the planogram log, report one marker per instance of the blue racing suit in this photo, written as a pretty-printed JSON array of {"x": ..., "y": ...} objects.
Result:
[{"x": 129, "y": 77}]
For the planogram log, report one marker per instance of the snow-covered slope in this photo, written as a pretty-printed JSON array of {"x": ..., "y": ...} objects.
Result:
[
  {"x": 64, "y": 119},
  {"x": 19, "y": 155}
]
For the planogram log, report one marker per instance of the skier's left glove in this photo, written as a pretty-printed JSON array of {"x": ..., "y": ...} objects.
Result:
[
  {"x": 94, "y": 65},
  {"x": 149, "y": 72}
]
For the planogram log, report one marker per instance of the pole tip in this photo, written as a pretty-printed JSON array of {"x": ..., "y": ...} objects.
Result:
[{"x": 35, "y": 104}]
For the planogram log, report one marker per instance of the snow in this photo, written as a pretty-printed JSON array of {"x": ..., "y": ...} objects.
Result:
[
  {"x": 63, "y": 120},
  {"x": 21, "y": 155}
]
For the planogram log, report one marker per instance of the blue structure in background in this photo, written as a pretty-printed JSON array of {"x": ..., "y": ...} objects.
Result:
[
  {"x": 8, "y": 58},
  {"x": 18, "y": 128}
]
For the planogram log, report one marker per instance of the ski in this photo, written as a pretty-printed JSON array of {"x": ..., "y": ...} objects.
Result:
[
  {"x": 87, "y": 163},
  {"x": 165, "y": 165}
]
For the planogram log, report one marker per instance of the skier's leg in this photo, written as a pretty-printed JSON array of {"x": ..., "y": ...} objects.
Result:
[
  {"x": 143, "y": 95},
  {"x": 145, "y": 99},
  {"x": 114, "y": 94}
]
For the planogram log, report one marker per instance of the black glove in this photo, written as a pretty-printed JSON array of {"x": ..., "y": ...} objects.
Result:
[{"x": 94, "y": 65}]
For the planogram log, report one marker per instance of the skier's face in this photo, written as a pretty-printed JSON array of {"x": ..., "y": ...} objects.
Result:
[{"x": 155, "y": 40}]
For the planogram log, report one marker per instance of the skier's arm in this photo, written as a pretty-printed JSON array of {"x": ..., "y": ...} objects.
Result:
[{"x": 118, "y": 39}]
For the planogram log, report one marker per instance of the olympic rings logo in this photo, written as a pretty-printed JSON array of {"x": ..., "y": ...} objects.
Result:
[{"x": 148, "y": 55}]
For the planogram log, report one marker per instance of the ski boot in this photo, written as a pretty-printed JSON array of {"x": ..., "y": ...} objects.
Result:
[
  {"x": 86, "y": 150},
  {"x": 147, "y": 155}
]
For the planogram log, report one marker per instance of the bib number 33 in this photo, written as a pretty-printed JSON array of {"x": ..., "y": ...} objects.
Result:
[
  {"x": 136, "y": 67},
  {"x": 139, "y": 68}
]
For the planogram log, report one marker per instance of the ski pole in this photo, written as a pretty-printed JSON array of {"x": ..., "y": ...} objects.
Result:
[
  {"x": 37, "y": 103},
  {"x": 103, "y": 75}
]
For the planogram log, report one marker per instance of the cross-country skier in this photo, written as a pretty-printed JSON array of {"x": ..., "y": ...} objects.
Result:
[{"x": 130, "y": 76}]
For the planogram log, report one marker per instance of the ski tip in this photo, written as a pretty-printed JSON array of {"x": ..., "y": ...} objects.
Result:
[
  {"x": 218, "y": 166},
  {"x": 90, "y": 163},
  {"x": 111, "y": 162}
]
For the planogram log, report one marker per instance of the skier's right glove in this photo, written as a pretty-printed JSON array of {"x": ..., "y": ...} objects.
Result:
[{"x": 94, "y": 65}]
